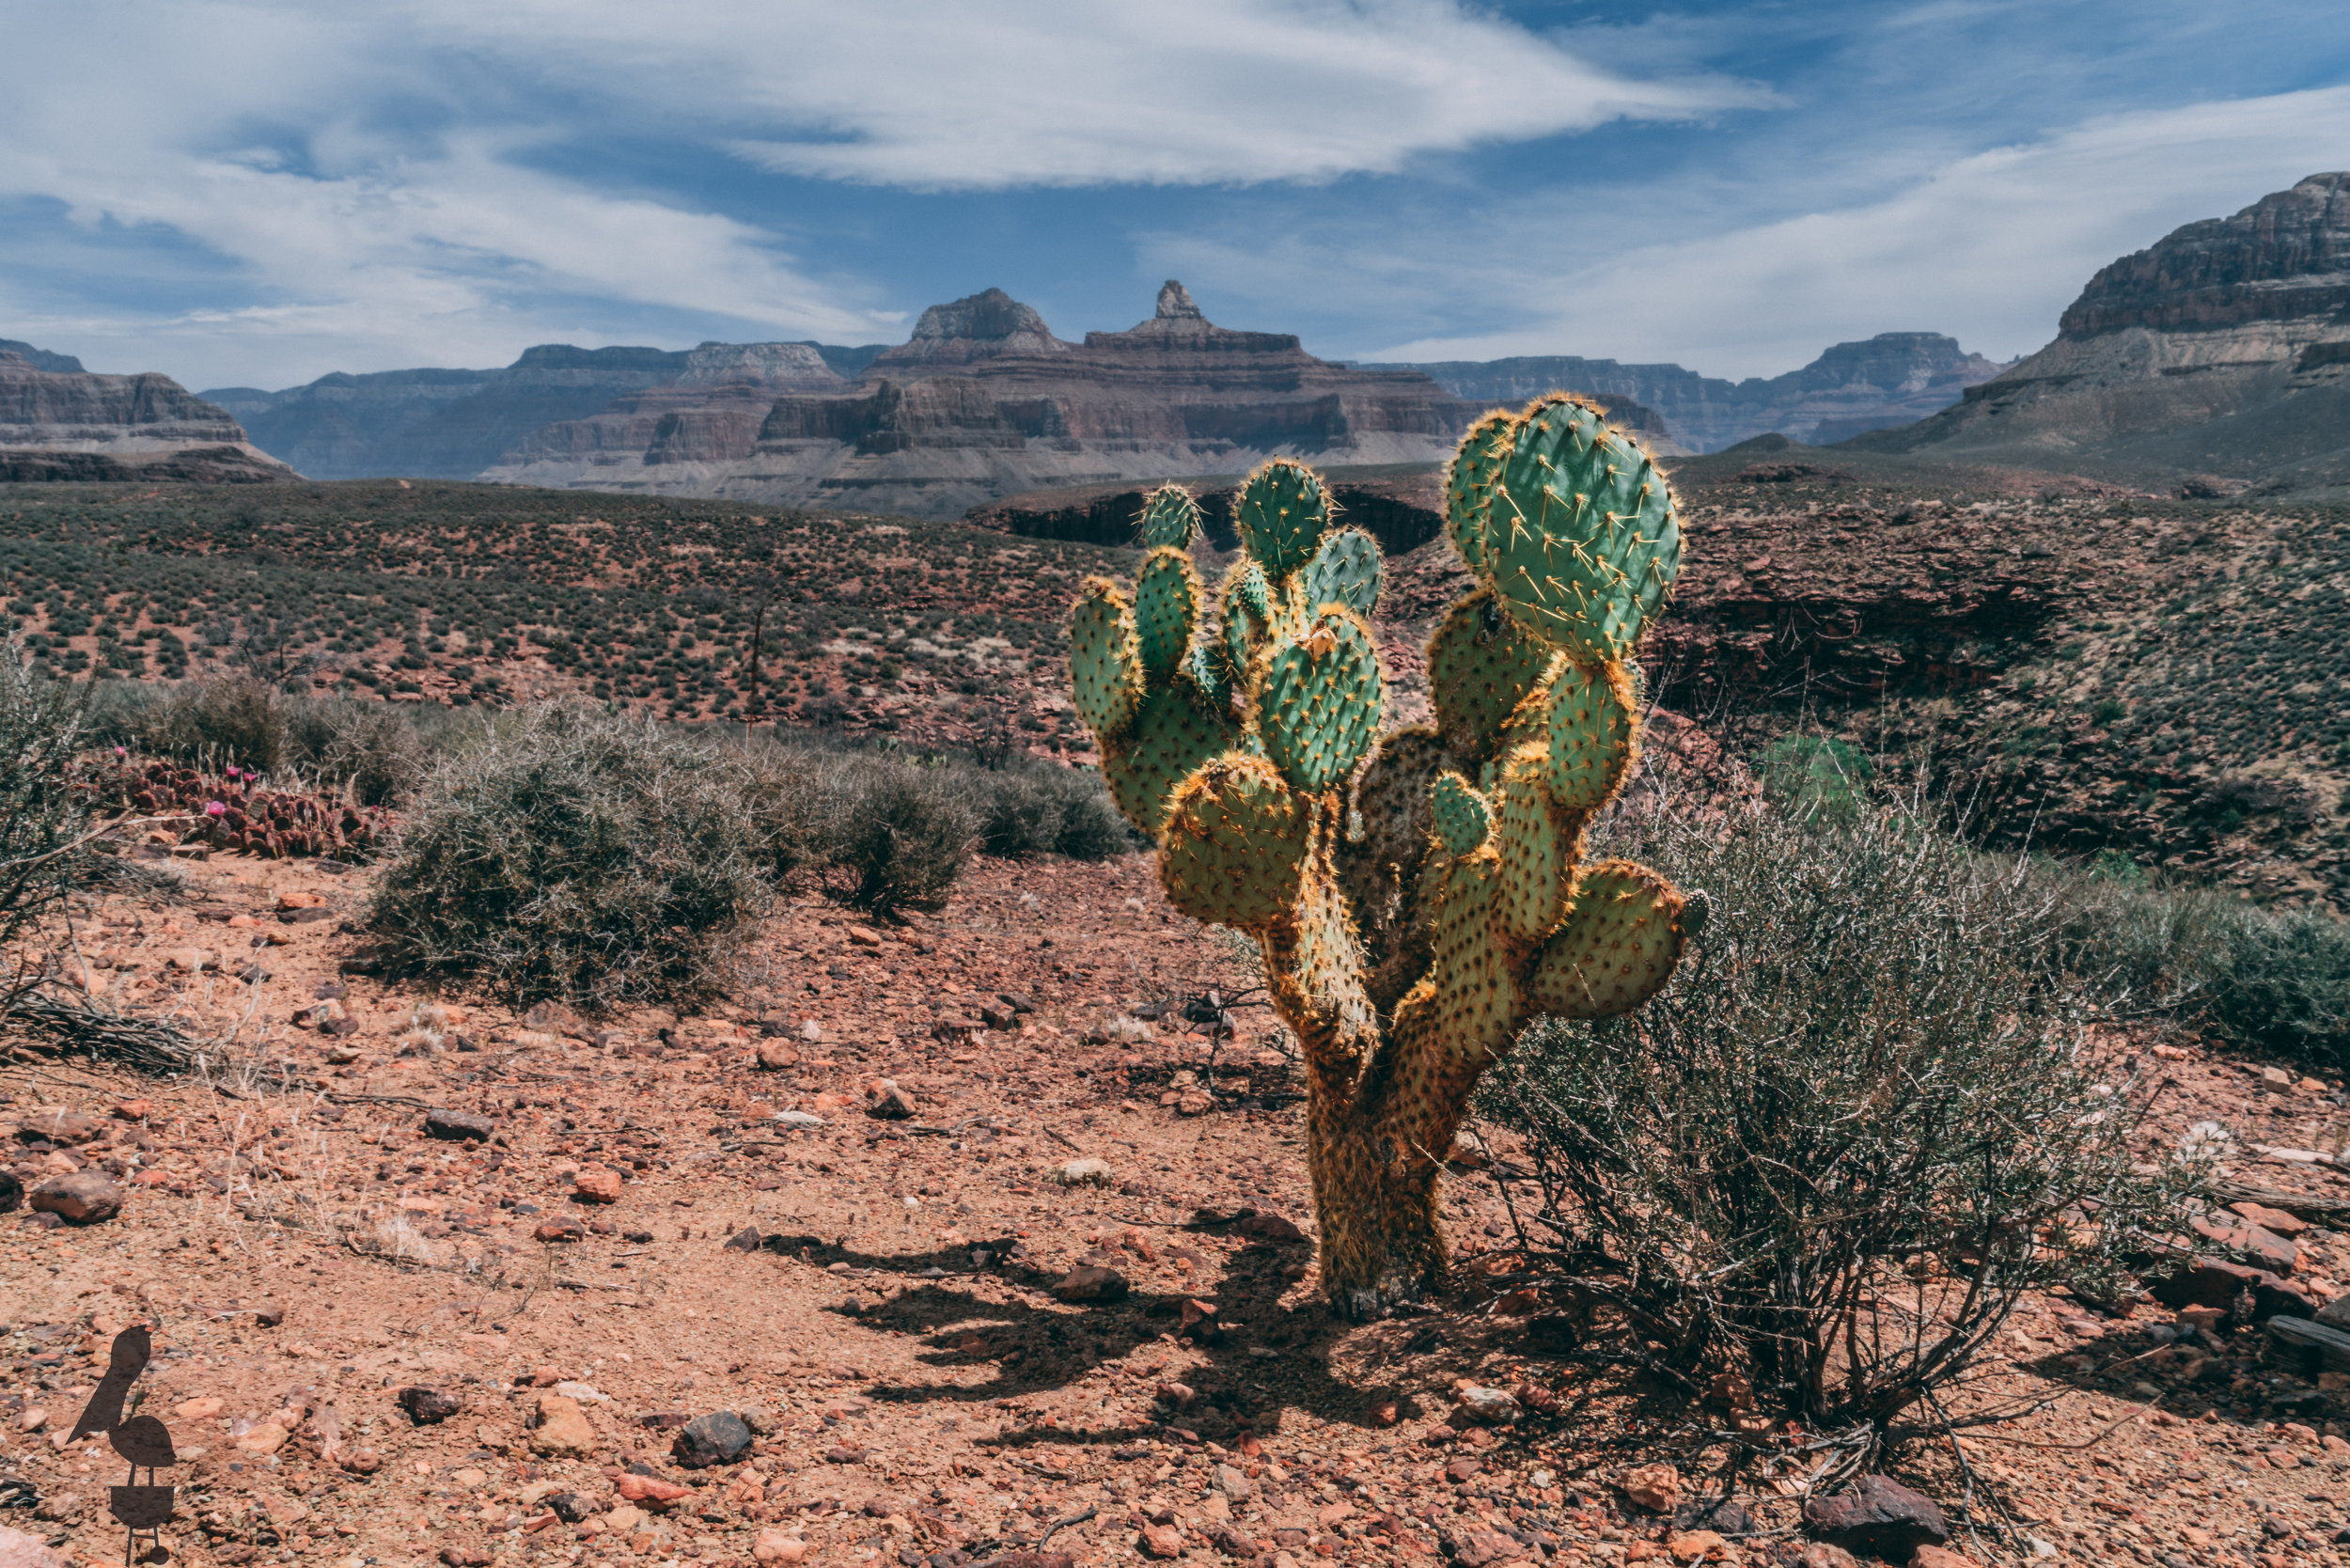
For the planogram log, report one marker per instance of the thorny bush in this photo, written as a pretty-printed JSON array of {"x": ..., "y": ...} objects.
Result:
[{"x": 1864, "y": 1120}]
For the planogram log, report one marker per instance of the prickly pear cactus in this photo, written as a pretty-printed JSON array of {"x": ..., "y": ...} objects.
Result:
[{"x": 1417, "y": 896}]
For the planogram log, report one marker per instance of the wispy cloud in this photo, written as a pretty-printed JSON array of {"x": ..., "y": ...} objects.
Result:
[{"x": 1989, "y": 247}]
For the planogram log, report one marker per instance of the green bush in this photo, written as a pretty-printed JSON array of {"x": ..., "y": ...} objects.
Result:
[
  {"x": 2280, "y": 982},
  {"x": 894, "y": 836},
  {"x": 228, "y": 720},
  {"x": 42, "y": 728},
  {"x": 1868, "y": 1086},
  {"x": 375, "y": 749},
  {"x": 1028, "y": 807},
  {"x": 573, "y": 856}
]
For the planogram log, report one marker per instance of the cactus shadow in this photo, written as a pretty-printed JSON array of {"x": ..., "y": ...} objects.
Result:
[{"x": 1270, "y": 1364}]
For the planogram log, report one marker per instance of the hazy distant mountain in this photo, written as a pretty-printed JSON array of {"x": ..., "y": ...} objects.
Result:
[
  {"x": 1895, "y": 378},
  {"x": 2222, "y": 351},
  {"x": 454, "y": 423}
]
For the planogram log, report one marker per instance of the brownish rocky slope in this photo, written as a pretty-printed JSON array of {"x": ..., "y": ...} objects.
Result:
[{"x": 2222, "y": 351}]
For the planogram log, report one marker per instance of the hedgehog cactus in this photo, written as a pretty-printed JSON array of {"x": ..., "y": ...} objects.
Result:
[{"x": 1417, "y": 897}]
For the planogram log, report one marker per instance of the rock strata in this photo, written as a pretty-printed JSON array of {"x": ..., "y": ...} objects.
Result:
[{"x": 73, "y": 425}]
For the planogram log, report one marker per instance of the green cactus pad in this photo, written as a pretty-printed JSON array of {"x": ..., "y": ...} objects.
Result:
[
  {"x": 1281, "y": 514},
  {"x": 1616, "y": 947},
  {"x": 1481, "y": 666},
  {"x": 1462, "y": 819},
  {"x": 1583, "y": 539},
  {"x": 1167, "y": 608},
  {"x": 1236, "y": 843},
  {"x": 1344, "y": 571},
  {"x": 1170, "y": 518},
  {"x": 1104, "y": 663},
  {"x": 1211, "y": 672},
  {"x": 1319, "y": 703},
  {"x": 1468, "y": 483},
  {"x": 1539, "y": 848},
  {"x": 1594, "y": 733},
  {"x": 1169, "y": 739},
  {"x": 1474, "y": 999}
]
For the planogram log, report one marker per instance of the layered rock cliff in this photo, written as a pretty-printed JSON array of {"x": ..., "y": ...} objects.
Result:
[
  {"x": 40, "y": 359},
  {"x": 74, "y": 425},
  {"x": 2222, "y": 351},
  {"x": 984, "y": 401},
  {"x": 1895, "y": 378}
]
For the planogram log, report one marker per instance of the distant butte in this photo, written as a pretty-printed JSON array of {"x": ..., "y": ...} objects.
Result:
[{"x": 983, "y": 401}]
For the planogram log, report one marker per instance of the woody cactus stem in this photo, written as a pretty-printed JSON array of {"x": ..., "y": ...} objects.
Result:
[{"x": 1418, "y": 895}]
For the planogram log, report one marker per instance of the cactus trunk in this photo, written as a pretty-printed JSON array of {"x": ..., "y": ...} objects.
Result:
[{"x": 1416, "y": 897}]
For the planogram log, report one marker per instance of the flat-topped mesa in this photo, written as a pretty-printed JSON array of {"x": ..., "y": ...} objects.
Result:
[
  {"x": 2286, "y": 256},
  {"x": 73, "y": 424},
  {"x": 796, "y": 366}
]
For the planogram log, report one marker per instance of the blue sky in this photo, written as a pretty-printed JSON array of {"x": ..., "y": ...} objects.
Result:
[{"x": 257, "y": 193}]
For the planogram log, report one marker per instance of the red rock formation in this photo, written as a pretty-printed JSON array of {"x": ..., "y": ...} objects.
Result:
[{"x": 75, "y": 425}]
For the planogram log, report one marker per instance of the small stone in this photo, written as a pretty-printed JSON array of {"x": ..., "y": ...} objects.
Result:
[
  {"x": 650, "y": 1490},
  {"x": 84, "y": 1197},
  {"x": 19, "y": 1550},
  {"x": 2276, "y": 1077},
  {"x": 427, "y": 1406},
  {"x": 1084, "y": 1173},
  {"x": 269, "y": 1314},
  {"x": 1878, "y": 1516},
  {"x": 1234, "y": 1484},
  {"x": 1653, "y": 1487},
  {"x": 597, "y": 1185},
  {"x": 1939, "y": 1557},
  {"x": 774, "y": 1057},
  {"x": 864, "y": 936},
  {"x": 361, "y": 1461},
  {"x": 1193, "y": 1101},
  {"x": 457, "y": 1125},
  {"x": 203, "y": 1409},
  {"x": 2274, "y": 1220},
  {"x": 1488, "y": 1406},
  {"x": 747, "y": 1239},
  {"x": 1090, "y": 1282},
  {"x": 1271, "y": 1228},
  {"x": 773, "y": 1546},
  {"x": 1162, "y": 1540},
  {"x": 562, "y": 1428},
  {"x": 1819, "y": 1553},
  {"x": 888, "y": 1102},
  {"x": 560, "y": 1230},
  {"x": 1463, "y": 1468},
  {"x": 33, "y": 1418},
  {"x": 717, "y": 1438},
  {"x": 465, "y": 1557},
  {"x": 996, "y": 1016},
  {"x": 1695, "y": 1545},
  {"x": 132, "y": 1110},
  {"x": 56, "y": 1124}
]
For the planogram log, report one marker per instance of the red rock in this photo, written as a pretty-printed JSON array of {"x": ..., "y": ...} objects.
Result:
[
  {"x": 56, "y": 1124},
  {"x": 650, "y": 1489},
  {"x": 84, "y": 1197},
  {"x": 1463, "y": 1468},
  {"x": 1270, "y": 1227},
  {"x": 2274, "y": 1253},
  {"x": 1653, "y": 1487},
  {"x": 132, "y": 1110},
  {"x": 1092, "y": 1283},
  {"x": 886, "y": 1101},
  {"x": 560, "y": 1230},
  {"x": 1879, "y": 1516},
  {"x": 774, "y": 1546},
  {"x": 1162, "y": 1540},
  {"x": 597, "y": 1185}
]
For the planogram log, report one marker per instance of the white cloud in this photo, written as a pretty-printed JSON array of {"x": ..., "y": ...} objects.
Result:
[{"x": 1989, "y": 248}]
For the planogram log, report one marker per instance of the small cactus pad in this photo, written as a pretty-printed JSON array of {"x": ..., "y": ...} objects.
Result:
[
  {"x": 1538, "y": 853},
  {"x": 1344, "y": 571},
  {"x": 1481, "y": 666},
  {"x": 1594, "y": 733},
  {"x": 1583, "y": 541},
  {"x": 1236, "y": 843},
  {"x": 1167, "y": 608},
  {"x": 1468, "y": 484},
  {"x": 1318, "y": 705},
  {"x": 1462, "y": 818},
  {"x": 1616, "y": 947},
  {"x": 1167, "y": 742},
  {"x": 1170, "y": 518},
  {"x": 1281, "y": 514},
  {"x": 1104, "y": 666},
  {"x": 1211, "y": 672}
]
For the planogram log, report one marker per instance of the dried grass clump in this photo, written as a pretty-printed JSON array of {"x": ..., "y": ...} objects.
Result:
[
  {"x": 1862, "y": 1122},
  {"x": 570, "y": 854}
]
